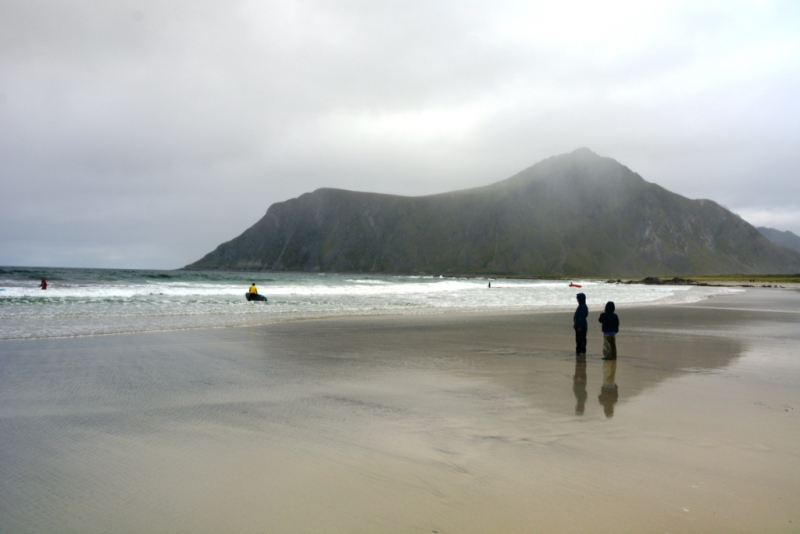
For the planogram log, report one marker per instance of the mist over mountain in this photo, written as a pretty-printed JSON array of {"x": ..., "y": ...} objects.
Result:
[
  {"x": 782, "y": 239},
  {"x": 576, "y": 214}
]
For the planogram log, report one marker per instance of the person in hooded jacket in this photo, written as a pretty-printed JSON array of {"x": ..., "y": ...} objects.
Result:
[
  {"x": 580, "y": 325},
  {"x": 610, "y": 327}
]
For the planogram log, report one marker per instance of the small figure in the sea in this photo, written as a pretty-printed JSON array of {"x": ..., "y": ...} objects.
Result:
[
  {"x": 580, "y": 325},
  {"x": 490, "y": 284},
  {"x": 43, "y": 285},
  {"x": 609, "y": 392},
  {"x": 252, "y": 295},
  {"x": 610, "y": 327}
]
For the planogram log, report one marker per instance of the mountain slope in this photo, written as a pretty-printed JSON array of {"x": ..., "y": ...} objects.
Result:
[
  {"x": 782, "y": 239},
  {"x": 574, "y": 214}
]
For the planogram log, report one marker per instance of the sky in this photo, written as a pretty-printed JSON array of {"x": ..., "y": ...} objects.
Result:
[{"x": 142, "y": 134}]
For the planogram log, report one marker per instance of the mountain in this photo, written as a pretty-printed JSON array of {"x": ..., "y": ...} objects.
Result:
[
  {"x": 577, "y": 214},
  {"x": 782, "y": 239}
]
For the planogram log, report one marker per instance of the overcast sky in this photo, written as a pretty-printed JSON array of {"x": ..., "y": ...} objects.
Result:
[{"x": 143, "y": 134}]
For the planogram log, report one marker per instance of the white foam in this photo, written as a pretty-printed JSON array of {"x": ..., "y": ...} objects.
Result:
[{"x": 86, "y": 309}]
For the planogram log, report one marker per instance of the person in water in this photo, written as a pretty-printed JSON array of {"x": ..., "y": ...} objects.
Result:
[
  {"x": 253, "y": 289},
  {"x": 610, "y": 327},
  {"x": 43, "y": 285},
  {"x": 580, "y": 325}
]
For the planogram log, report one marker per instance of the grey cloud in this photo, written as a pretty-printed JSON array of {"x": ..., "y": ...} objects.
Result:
[{"x": 167, "y": 127}]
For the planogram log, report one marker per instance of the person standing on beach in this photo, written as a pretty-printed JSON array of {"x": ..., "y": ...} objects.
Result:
[
  {"x": 43, "y": 285},
  {"x": 610, "y": 327},
  {"x": 580, "y": 325}
]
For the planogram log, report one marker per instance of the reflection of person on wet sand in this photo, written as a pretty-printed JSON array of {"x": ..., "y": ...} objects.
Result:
[
  {"x": 579, "y": 386},
  {"x": 609, "y": 392}
]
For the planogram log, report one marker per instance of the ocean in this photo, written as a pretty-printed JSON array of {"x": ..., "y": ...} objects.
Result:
[{"x": 86, "y": 302}]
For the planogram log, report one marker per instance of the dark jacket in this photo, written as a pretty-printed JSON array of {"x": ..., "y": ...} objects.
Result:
[
  {"x": 609, "y": 319},
  {"x": 579, "y": 319}
]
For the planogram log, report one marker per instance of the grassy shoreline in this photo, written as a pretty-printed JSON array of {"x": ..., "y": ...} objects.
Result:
[{"x": 710, "y": 279}]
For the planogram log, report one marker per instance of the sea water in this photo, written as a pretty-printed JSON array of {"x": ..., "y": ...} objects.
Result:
[{"x": 81, "y": 302}]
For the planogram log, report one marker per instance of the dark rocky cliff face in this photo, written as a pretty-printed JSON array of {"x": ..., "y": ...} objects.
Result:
[{"x": 575, "y": 214}]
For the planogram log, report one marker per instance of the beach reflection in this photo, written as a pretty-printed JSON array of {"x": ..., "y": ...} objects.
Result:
[
  {"x": 398, "y": 424},
  {"x": 609, "y": 391},
  {"x": 579, "y": 385}
]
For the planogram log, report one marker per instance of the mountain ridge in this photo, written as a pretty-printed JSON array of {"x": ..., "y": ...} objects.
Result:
[
  {"x": 785, "y": 239},
  {"x": 573, "y": 214}
]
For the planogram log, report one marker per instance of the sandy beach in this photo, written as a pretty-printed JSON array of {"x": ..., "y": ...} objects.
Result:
[{"x": 430, "y": 423}]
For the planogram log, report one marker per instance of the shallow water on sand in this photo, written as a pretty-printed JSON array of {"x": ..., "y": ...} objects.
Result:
[{"x": 411, "y": 424}]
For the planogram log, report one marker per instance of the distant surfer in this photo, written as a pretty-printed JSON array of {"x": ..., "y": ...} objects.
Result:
[
  {"x": 43, "y": 285},
  {"x": 490, "y": 285},
  {"x": 252, "y": 294}
]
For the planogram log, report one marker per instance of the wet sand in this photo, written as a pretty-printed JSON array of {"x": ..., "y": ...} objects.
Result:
[{"x": 460, "y": 423}]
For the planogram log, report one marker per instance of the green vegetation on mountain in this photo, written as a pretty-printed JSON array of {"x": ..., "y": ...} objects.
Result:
[
  {"x": 752, "y": 279},
  {"x": 577, "y": 214}
]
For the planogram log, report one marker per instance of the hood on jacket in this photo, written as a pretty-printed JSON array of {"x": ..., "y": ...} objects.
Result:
[
  {"x": 582, "y": 298},
  {"x": 610, "y": 307}
]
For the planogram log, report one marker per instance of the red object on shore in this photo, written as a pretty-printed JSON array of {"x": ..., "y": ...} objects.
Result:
[{"x": 573, "y": 285}]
